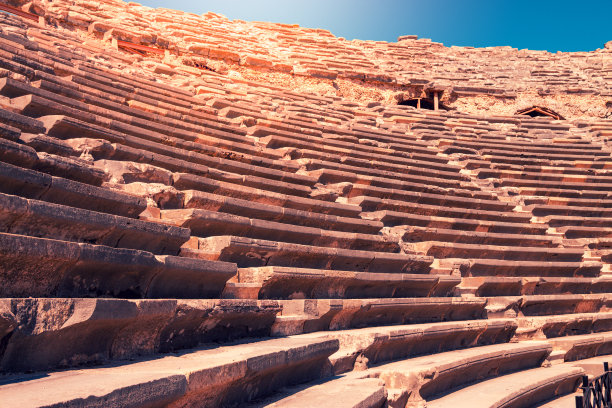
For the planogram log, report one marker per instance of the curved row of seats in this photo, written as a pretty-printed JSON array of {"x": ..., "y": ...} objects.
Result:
[{"x": 316, "y": 53}]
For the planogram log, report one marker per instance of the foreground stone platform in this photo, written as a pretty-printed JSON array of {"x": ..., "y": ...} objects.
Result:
[
  {"x": 212, "y": 377},
  {"x": 58, "y": 333}
]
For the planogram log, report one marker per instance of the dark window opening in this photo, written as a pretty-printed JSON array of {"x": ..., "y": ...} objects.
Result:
[
  {"x": 539, "y": 111},
  {"x": 425, "y": 103}
]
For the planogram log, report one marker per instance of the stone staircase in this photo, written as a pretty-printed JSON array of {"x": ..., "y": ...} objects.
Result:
[{"x": 254, "y": 245}]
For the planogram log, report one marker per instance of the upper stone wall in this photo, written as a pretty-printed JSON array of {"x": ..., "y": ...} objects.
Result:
[{"x": 408, "y": 67}]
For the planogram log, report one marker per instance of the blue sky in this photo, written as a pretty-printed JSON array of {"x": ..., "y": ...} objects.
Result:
[{"x": 581, "y": 25}]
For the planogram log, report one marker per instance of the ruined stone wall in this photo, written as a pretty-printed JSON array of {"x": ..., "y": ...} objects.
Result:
[{"x": 498, "y": 80}]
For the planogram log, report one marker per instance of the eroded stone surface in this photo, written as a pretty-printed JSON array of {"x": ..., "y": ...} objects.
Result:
[
  {"x": 411, "y": 250},
  {"x": 59, "y": 333}
]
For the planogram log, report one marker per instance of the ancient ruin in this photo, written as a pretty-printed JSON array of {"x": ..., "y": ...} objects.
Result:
[{"x": 200, "y": 212}]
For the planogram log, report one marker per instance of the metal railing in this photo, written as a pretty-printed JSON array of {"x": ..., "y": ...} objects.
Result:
[{"x": 597, "y": 392}]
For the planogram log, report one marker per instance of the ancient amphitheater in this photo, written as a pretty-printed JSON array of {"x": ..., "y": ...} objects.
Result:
[{"x": 199, "y": 212}]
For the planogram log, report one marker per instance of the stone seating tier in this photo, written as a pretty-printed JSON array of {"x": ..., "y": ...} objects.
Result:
[
  {"x": 41, "y": 219},
  {"x": 523, "y": 389},
  {"x": 43, "y": 267},
  {"x": 40, "y": 186},
  {"x": 205, "y": 223}
]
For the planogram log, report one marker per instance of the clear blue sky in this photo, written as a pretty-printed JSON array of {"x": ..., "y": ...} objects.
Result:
[{"x": 580, "y": 25}]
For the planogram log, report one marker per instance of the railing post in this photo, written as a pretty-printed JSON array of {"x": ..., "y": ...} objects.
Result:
[
  {"x": 607, "y": 382},
  {"x": 585, "y": 390},
  {"x": 579, "y": 401}
]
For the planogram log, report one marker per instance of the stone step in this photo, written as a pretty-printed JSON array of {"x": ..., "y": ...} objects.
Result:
[
  {"x": 185, "y": 181},
  {"x": 69, "y": 94},
  {"x": 66, "y": 127},
  {"x": 204, "y": 223},
  {"x": 606, "y": 255},
  {"x": 414, "y": 234},
  {"x": 41, "y": 219},
  {"x": 562, "y": 210},
  {"x": 169, "y": 103},
  {"x": 208, "y": 377},
  {"x": 565, "y": 401},
  {"x": 22, "y": 155},
  {"x": 398, "y": 172},
  {"x": 414, "y": 380},
  {"x": 17, "y": 154},
  {"x": 563, "y": 221},
  {"x": 583, "y": 346},
  {"x": 523, "y": 389},
  {"x": 593, "y": 366},
  {"x": 461, "y": 198},
  {"x": 322, "y": 150},
  {"x": 394, "y": 218},
  {"x": 544, "y": 177},
  {"x": 9, "y": 61},
  {"x": 502, "y": 156},
  {"x": 9, "y": 132},
  {"x": 172, "y": 153},
  {"x": 276, "y": 282},
  {"x": 599, "y": 243},
  {"x": 411, "y": 183},
  {"x": 342, "y": 142},
  {"x": 61, "y": 333},
  {"x": 363, "y": 348},
  {"x": 576, "y": 161},
  {"x": 543, "y": 305},
  {"x": 559, "y": 168},
  {"x": 344, "y": 392},
  {"x": 40, "y": 186},
  {"x": 560, "y": 193},
  {"x": 535, "y": 285},
  {"x": 214, "y": 131},
  {"x": 249, "y": 252},
  {"x": 543, "y": 327},
  {"x": 441, "y": 250},
  {"x": 72, "y": 168},
  {"x": 376, "y": 164},
  {"x": 42, "y": 267},
  {"x": 380, "y": 134},
  {"x": 510, "y": 268},
  {"x": 567, "y": 201},
  {"x": 22, "y": 123},
  {"x": 395, "y": 210},
  {"x": 312, "y": 315},
  {"x": 578, "y": 232},
  {"x": 307, "y": 217},
  {"x": 133, "y": 83},
  {"x": 517, "y": 146},
  {"x": 273, "y": 139}
]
